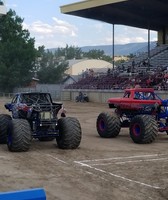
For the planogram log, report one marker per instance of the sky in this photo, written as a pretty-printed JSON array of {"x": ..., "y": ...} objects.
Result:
[{"x": 53, "y": 29}]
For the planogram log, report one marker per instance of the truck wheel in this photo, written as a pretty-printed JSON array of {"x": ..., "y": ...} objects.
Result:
[
  {"x": 4, "y": 121},
  {"x": 19, "y": 135},
  {"x": 108, "y": 125},
  {"x": 143, "y": 129},
  {"x": 69, "y": 133}
]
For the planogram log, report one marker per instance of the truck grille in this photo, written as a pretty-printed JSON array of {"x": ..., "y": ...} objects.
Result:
[{"x": 46, "y": 115}]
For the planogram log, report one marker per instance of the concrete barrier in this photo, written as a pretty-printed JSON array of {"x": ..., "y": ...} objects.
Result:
[
  {"x": 100, "y": 96},
  {"x": 29, "y": 194}
]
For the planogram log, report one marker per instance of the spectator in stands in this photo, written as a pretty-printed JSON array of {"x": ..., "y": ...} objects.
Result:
[
  {"x": 166, "y": 76},
  {"x": 133, "y": 66},
  {"x": 133, "y": 63},
  {"x": 83, "y": 74},
  {"x": 129, "y": 69},
  {"x": 123, "y": 67},
  {"x": 137, "y": 86},
  {"x": 167, "y": 68},
  {"x": 108, "y": 71},
  {"x": 91, "y": 72},
  {"x": 86, "y": 73},
  {"x": 149, "y": 82},
  {"x": 159, "y": 87}
]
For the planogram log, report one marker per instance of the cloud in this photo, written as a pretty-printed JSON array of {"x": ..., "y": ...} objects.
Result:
[
  {"x": 64, "y": 27},
  {"x": 125, "y": 40},
  {"x": 46, "y": 34},
  {"x": 40, "y": 28},
  {"x": 99, "y": 27},
  {"x": 60, "y": 27},
  {"x": 124, "y": 35},
  {"x": 11, "y": 6},
  {"x": 59, "y": 32}
]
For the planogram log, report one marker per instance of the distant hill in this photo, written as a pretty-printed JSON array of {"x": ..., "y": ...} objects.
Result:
[{"x": 119, "y": 49}]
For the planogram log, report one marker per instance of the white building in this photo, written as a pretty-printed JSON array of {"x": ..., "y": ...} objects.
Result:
[{"x": 76, "y": 67}]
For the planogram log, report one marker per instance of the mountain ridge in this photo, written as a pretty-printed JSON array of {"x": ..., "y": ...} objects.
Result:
[{"x": 119, "y": 49}]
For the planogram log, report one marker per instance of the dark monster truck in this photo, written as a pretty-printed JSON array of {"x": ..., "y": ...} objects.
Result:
[
  {"x": 140, "y": 109},
  {"x": 35, "y": 115}
]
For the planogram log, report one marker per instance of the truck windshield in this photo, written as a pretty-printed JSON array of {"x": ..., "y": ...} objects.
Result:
[
  {"x": 144, "y": 95},
  {"x": 35, "y": 98}
]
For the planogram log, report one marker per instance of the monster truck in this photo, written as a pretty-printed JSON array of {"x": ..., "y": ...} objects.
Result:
[
  {"x": 35, "y": 115},
  {"x": 140, "y": 109}
]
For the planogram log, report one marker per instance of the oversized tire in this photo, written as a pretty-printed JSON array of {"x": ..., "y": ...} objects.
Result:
[
  {"x": 19, "y": 135},
  {"x": 108, "y": 125},
  {"x": 143, "y": 129},
  {"x": 70, "y": 133},
  {"x": 4, "y": 121}
]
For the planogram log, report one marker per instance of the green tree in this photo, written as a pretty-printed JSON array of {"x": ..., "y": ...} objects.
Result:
[
  {"x": 120, "y": 61},
  {"x": 107, "y": 58},
  {"x": 131, "y": 55},
  {"x": 70, "y": 52},
  {"x": 94, "y": 54},
  {"x": 97, "y": 54},
  {"x": 50, "y": 68},
  {"x": 17, "y": 52}
]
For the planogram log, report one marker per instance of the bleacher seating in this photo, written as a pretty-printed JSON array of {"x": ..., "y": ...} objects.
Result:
[
  {"x": 152, "y": 75},
  {"x": 154, "y": 55},
  {"x": 160, "y": 59}
]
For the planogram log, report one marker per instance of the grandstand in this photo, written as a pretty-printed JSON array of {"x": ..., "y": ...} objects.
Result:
[
  {"x": 150, "y": 68},
  {"x": 157, "y": 54},
  {"x": 160, "y": 59},
  {"x": 119, "y": 79}
]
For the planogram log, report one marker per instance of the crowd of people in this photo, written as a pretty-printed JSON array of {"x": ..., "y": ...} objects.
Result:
[
  {"x": 122, "y": 77},
  {"x": 87, "y": 72},
  {"x": 126, "y": 75}
]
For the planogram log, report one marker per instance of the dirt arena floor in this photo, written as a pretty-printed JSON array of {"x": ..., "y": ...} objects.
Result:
[{"x": 100, "y": 169}]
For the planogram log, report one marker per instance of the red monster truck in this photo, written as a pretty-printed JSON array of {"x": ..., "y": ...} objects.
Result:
[{"x": 140, "y": 109}]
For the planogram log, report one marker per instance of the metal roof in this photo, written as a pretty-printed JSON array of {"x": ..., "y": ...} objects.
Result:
[{"x": 147, "y": 14}]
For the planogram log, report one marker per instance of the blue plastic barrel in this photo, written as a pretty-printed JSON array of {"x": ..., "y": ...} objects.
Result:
[{"x": 29, "y": 194}]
